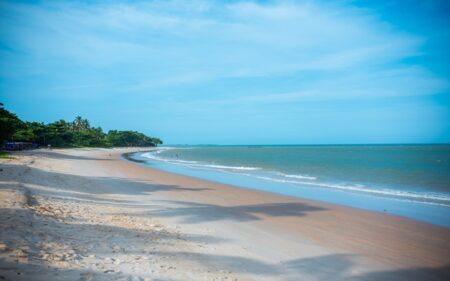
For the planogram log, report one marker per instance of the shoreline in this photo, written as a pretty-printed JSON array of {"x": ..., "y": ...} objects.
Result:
[
  {"x": 426, "y": 212},
  {"x": 224, "y": 231},
  {"x": 391, "y": 218},
  {"x": 127, "y": 157}
]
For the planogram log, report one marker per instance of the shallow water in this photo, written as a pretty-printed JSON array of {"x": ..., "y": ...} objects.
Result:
[{"x": 407, "y": 180}]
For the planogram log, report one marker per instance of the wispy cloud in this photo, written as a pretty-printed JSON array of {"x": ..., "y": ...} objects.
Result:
[
  {"x": 186, "y": 54},
  {"x": 172, "y": 39}
]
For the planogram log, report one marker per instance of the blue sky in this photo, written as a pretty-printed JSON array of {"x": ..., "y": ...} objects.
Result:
[{"x": 233, "y": 72}]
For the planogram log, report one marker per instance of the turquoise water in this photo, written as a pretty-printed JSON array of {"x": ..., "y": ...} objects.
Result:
[{"x": 407, "y": 180}]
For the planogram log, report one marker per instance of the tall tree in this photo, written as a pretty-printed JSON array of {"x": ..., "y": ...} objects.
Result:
[
  {"x": 9, "y": 124},
  {"x": 80, "y": 124},
  {"x": 68, "y": 134}
]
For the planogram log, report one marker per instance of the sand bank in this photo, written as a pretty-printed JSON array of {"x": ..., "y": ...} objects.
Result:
[{"x": 90, "y": 215}]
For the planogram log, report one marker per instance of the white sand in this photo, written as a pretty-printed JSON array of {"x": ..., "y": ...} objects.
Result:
[{"x": 87, "y": 215}]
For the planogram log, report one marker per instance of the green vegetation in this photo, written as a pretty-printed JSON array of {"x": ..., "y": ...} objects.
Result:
[
  {"x": 4, "y": 155},
  {"x": 78, "y": 133}
]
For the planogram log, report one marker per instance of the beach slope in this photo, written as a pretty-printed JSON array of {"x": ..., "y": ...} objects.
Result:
[{"x": 89, "y": 214}]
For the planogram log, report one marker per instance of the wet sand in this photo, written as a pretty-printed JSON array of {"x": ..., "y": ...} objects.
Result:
[{"x": 88, "y": 214}]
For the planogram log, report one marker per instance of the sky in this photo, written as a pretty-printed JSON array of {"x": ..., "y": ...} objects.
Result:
[{"x": 233, "y": 72}]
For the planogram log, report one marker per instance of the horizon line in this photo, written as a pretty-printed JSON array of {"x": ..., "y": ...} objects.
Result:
[{"x": 311, "y": 144}]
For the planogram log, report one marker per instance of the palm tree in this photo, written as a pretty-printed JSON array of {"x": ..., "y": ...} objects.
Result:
[{"x": 80, "y": 124}]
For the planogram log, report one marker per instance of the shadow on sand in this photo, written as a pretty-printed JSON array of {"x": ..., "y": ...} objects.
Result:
[
  {"x": 39, "y": 228},
  {"x": 191, "y": 212},
  {"x": 54, "y": 183},
  {"x": 99, "y": 240},
  {"x": 54, "y": 154}
]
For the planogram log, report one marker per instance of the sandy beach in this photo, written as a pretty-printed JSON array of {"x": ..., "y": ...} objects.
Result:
[{"x": 89, "y": 214}]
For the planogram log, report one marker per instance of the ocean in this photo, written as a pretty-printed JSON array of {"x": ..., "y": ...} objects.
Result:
[{"x": 406, "y": 180}]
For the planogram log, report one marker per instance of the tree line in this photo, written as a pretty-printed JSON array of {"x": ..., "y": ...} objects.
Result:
[{"x": 78, "y": 133}]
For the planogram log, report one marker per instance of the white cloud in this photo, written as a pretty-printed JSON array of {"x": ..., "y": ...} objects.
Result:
[{"x": 171, "y": 42}]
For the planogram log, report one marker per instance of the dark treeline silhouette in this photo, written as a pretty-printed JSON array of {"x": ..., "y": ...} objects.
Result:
[{"x": 77, "y": 133}]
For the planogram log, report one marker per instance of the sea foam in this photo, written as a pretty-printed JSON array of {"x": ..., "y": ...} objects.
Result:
[{"x": 300, "y": 180}]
